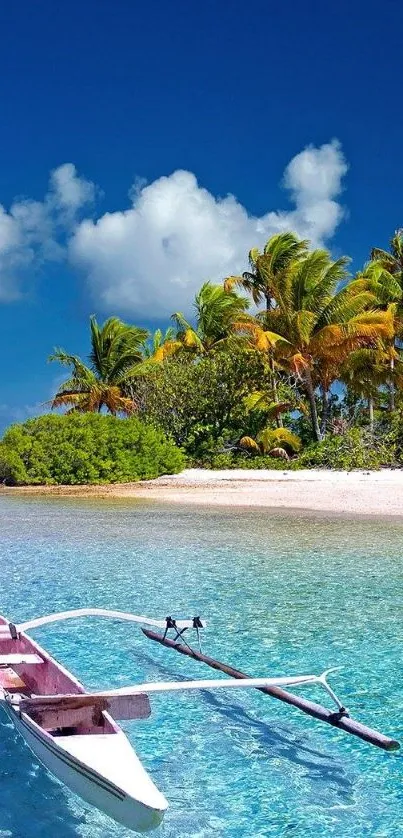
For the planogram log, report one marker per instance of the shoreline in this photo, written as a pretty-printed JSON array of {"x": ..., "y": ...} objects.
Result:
[{"x": 363, "y": 493}]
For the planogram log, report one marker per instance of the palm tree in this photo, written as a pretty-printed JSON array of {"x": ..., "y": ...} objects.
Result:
[
  {"x": 364, "y": 372},
  {"x": 385, "y": 274},
  {"x": 217, "y": 312},
  {"x": 391, "y": 260},
  {"x": 253, "y": 335},
  {"x": 279, "y": 253},
  {"x": 116, "y": 350},
  {"x": 321, "y": 324}
]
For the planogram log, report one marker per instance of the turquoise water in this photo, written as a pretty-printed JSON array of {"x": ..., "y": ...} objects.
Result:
[{"x": 283, "y": 594}]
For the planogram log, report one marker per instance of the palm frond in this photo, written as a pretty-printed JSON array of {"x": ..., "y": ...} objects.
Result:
[
  {"x": 346, "y": 304},
  {"x": 230, "y": 282},
  {"x": 304, "y": 323},
  {"x": 249, "y": 444}
]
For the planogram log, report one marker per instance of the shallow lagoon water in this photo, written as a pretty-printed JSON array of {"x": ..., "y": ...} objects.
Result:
[{"x": 283, "y": 594}]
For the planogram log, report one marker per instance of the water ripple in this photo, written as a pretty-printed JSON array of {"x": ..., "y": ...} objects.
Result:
[{"x": 283, "y": 594}]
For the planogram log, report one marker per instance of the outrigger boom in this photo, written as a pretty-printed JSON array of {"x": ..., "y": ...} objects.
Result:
[
  {"x": 10, "y": 629},
  {"x": 52, "y": 701},
  {"x": 75, "y": 735}
]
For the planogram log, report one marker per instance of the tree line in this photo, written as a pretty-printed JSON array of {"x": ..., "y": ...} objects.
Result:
[{"x": 289, "y": 353}]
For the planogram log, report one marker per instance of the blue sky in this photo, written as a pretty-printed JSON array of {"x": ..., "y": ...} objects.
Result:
[{"x": 124, "y": 128}]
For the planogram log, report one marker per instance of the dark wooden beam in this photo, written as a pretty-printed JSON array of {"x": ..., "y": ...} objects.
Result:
[{"x": 345, "y": 723}]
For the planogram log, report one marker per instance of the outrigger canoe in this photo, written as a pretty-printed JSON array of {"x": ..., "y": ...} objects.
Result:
[{"x": 75, "y": 735}]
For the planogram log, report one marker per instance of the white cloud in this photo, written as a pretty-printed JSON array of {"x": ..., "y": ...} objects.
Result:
[
  {"x": 150, "y": 259},
  {"x": 314, "y": 178},
  {"x": 35, "y": 231},
  {"x": 15, "y": 254},
  {"x": 69, "y": 191}
]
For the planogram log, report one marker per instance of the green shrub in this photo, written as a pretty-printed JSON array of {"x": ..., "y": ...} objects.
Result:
[
  {"x": 85, "y": 448},
  {"x": 355, "y": 449},
  {"x": 391, "y": 426},
  {"x": 235, "y": 459},
  {"x": 223, "y": 461},
  {"x": 12, "y": 469}
]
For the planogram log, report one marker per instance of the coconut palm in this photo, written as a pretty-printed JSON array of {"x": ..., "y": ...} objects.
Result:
[
  {"x": 116, "y": 350},
  {"x": 280, "y": 251},
  {"x": 384, "y": 277},
  {"x": 391, "y": 260},
  {"x": 365, "y": 371},
  {"x": 217, "y": 312},
  {"x": 322, "y": 323},
  {"x": 385, "y": 286},
  {"x": 279, "y": 442}
]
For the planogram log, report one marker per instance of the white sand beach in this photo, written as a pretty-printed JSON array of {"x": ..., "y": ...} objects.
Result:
[{"x": 355, "y": 492}]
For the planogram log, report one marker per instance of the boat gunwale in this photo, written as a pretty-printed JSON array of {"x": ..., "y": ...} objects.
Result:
[{"x": 48, "y": 658}]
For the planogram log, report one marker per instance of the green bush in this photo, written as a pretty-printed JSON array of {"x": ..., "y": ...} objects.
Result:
[
  {"x": 391, "y": 427},
  {"x": 85, "y": 448},
  {"x": 222, "y": 461},
  {"x": 235, "y": 459},
  {"x": 355, "y": 449}
]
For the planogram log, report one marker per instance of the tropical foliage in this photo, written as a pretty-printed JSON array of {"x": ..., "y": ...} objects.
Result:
[
  {"x": 322, "y": 323},
  {"x": 217, "y": 313},
  {"x": 116, "y": 349},
  {"x": 294, "y": 359},
  {"x": 201, "y": 404},
  {"x": 279, "y": 442},
  {"x": 355, "y": 448},
  {"x": 85, "y": 449},
  {"x": 267, "y": 269}
]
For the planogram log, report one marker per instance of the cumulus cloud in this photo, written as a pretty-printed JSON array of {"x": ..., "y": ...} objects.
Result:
[
  {"x": 151, "y": 258},
  {"x": 14, "y": 255},
  {"x": 68, "y": 191},
  {"x": 314, "y": 178},
  {"x": 32, "y": 232}
]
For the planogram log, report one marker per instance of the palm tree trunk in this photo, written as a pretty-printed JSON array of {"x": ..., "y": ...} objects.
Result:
[
  {"x": 371, "y": 413},
  {"x": 391, "y": 386},
  {"x": 279, "y": 421},
  {"x": 312, "y": 405},
  {"x": 325, "y": 410}
]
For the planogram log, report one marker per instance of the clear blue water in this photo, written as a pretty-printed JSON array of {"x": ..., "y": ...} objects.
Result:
[{"x": 283, "y": 594}]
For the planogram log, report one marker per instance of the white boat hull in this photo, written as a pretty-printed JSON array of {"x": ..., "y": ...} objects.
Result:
[{"x": 125, "y": 791}]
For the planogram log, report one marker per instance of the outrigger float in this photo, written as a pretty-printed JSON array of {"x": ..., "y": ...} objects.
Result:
[{"x": 75, "y": 735}]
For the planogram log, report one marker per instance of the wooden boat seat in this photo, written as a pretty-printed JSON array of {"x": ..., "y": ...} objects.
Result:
[
  {"x": 15, "y": 659},
  {"x": 80, "y": 711},
  {"x": 53, "y": 712},
  {"x": 10, "y": 681}
]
